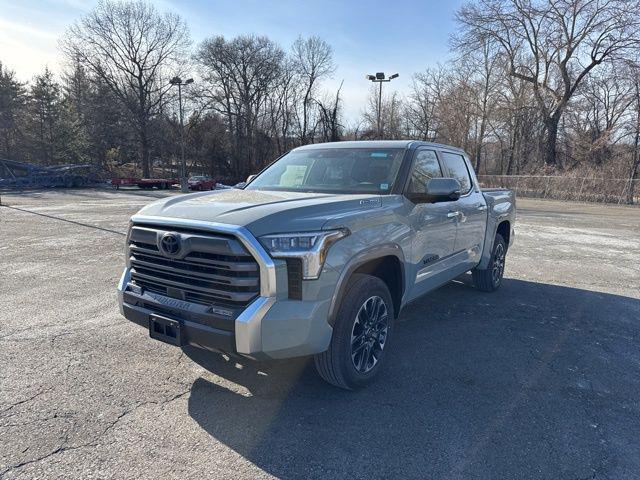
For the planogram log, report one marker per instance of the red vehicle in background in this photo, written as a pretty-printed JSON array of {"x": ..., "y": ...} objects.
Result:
[{"x": 201, "y": 182}]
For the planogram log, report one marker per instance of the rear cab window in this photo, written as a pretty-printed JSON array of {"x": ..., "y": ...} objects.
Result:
[{"x": 456, "y": 166}]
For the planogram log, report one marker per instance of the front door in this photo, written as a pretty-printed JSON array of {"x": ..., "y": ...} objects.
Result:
[{"x": 434, "y": 228}]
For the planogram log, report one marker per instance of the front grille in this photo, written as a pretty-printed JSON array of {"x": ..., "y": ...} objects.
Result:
[{"x": 210, "y": 269}]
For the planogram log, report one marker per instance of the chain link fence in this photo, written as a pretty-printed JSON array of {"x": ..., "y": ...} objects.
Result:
[{"x": 602, "y": 190}]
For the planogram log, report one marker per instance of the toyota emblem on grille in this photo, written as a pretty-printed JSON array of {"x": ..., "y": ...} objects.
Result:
[{"x": 170, "y": 243}]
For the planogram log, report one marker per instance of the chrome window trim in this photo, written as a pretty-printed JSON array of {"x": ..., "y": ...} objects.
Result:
[{"x": 248, "y": 325}]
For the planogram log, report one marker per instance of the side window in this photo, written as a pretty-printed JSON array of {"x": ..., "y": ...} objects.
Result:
[
  {"x": 425, "y": 167},
  {"x": 457, "y": 169}
]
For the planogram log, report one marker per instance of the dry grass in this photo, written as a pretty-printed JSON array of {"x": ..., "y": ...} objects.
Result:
[{"x": 601, "y": 190}]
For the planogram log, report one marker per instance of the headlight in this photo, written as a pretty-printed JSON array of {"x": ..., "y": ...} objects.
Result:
[{"x": 310, "y": 247}]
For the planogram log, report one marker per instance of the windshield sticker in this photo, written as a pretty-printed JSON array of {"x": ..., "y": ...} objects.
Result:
[
  {"x": 293, "y": 176},
  {"x": 379, "y": 155},
  {"x": 384, "y": 186}
]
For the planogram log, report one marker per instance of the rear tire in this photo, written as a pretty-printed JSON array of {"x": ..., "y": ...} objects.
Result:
[
  {"x": 361, "y": 334},
  {"x": 490, "y": 278}
]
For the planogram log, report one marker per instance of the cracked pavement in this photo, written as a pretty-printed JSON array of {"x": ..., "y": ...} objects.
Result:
[{"x": 539, "y": 380}]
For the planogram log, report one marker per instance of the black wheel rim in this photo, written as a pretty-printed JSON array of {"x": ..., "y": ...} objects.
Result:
[
  {"x": 369, "y": 334},
  {"x": 498, "y": 264}
]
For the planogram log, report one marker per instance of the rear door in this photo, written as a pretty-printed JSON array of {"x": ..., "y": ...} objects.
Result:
[
  {"x": 470, "y": 211},
  {"x": 434, "y": 228}
]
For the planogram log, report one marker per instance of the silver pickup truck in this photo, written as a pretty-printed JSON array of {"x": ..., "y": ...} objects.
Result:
[{"x": 316, "y": 255}]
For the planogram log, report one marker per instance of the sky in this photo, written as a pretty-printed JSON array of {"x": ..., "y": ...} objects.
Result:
[{"x": 393, "y": 36}]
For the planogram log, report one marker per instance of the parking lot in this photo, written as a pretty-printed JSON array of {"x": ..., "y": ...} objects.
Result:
[{"x": 538, "y": 380}]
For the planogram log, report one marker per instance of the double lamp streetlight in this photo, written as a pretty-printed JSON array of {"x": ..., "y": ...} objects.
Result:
[{"x": 380, "y": 78}]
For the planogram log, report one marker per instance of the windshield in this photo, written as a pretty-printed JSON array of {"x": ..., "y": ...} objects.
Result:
[
  {"x": 333, "y": 170},
  {"x": 197, "y": 179}
]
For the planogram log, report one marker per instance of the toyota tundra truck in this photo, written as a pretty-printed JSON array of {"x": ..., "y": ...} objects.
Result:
[{"x": 316, "y": 255}]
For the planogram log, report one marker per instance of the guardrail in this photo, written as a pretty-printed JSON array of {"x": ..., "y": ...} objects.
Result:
[{"x": 582, "y": 189}]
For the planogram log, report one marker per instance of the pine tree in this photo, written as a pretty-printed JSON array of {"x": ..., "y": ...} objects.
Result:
[
  {"x": 12, "y": 101},
  {"x": 45, "y": 110},
  {"x": 78, "y": 93}
]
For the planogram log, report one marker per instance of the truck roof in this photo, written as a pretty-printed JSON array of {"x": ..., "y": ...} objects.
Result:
[{"x": 377, "y": 144}]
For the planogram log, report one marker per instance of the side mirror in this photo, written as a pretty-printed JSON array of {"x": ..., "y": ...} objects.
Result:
[
  {"x": 250, "y": 177},
  {"x": 443, "y": 190}
]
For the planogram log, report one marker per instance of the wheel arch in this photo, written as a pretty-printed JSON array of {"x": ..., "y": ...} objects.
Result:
[
  {"x": 501, "y": 225},
  {"x": 386, "y": 263},
  {"x": 504, "y": 229}
]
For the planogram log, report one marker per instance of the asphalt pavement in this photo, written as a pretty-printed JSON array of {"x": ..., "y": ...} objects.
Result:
[{"x": 539, "y": 380}]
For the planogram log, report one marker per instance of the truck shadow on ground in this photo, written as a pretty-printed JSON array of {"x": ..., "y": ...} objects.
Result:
[{"x": 533, "y": 380}]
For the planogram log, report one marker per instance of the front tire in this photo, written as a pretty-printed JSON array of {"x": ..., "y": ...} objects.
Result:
[
  {"x": 490, "y": 278},
  {"x": 361, "y": 334}
]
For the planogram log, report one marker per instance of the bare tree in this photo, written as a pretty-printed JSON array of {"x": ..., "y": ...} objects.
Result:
[
  {"x": 481, "y": 64},
  {"x": 455, "y": 111},
  {"x": 518, "y": 121},
  {"x": 553, "y": 44},
  {"x": 423, "y": 103},
  {"x": 312, "y": 60},
  {"x": 282, "y": 101},
  {"x": 134, "y": 50},
  {"x": 392, "y": 111},
  {"x": 634, "y": 171},
  {"x": 330, "y": 117},
  {"x": 602, "y": 102},
  {"x": 238, "y": 76}
]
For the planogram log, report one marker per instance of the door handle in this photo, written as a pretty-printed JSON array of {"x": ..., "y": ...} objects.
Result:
[
  {"x": 453, "y": 214},
  {"x": 482, "y": 208}
]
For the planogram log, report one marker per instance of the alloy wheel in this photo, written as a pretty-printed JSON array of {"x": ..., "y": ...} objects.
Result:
[
  {"x": 369, "y": 334},
  {"x": 498, "y": 264}
]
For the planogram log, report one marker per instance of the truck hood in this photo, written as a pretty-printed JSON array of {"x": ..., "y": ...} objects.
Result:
[{"x": 262, "y": 212}]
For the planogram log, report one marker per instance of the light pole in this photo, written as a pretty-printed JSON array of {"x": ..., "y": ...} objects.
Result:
[
  {"x": 379, "y": 78},
  {"x": 183, "y": 164}
]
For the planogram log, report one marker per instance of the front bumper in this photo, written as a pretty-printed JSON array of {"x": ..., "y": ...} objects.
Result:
[
  {"x": 194, "y": 334},
  {"x": 271, "y": 327}
]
